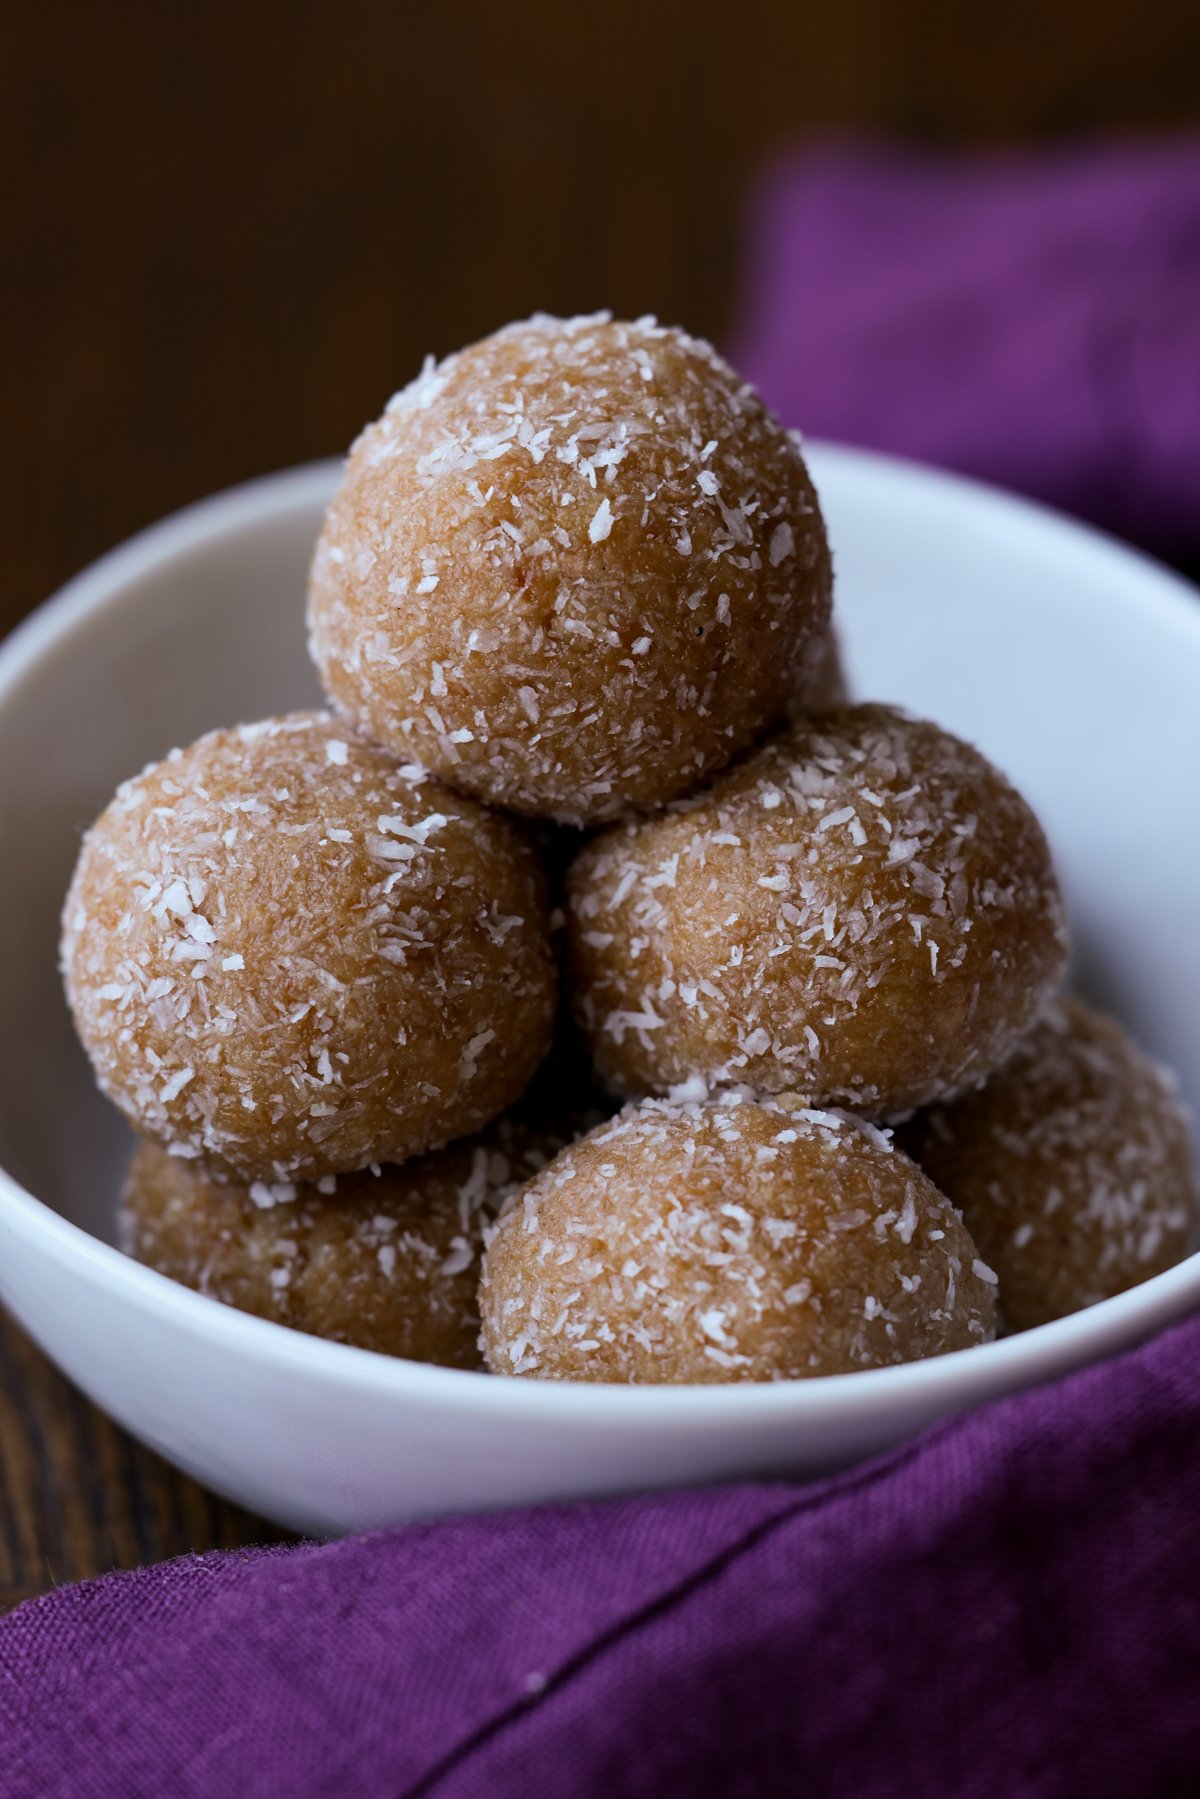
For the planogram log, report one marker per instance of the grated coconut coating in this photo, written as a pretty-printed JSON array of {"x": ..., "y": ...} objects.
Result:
[
  {"x": 728, "y": 1239},
  {"x": 292, "y": 956},
  {"x": 1073, "y": 1167},
  {"x": 572, "y": 569},
  {"x": 864, "y": 912},
  {"x": 385, "y": 1260}
]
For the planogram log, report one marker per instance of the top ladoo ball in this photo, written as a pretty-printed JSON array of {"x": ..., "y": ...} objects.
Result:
[{"x": 574, "y": 569}]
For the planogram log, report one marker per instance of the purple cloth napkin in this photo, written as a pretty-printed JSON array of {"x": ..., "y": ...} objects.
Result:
[
  {"x": 1009, "y": 1606},
  {"x": 1033, "y": 320}
]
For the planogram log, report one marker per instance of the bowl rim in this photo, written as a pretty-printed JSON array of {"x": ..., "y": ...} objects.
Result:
[{"x": 962, "y": 1376}]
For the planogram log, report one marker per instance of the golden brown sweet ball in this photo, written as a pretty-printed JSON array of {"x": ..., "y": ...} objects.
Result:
[
  {"x": 572, "y": 569},
  {"x": 1073, "y": 1167},
  {"x": 728, "y": 1239},
  {"x": 386, "y": 1260},
  {"x": 291, "y": 955},
  {"x": 864, "y": 912}
]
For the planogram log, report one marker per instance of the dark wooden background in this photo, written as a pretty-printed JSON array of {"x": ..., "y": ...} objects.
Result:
[{"x": 230, "y": 232}]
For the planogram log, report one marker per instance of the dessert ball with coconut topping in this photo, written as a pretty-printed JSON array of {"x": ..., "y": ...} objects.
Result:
[
  {"x": 291, "y": 955},
  {"x": 728, "y": 1239},
  {"x": 573, "y": 569},
  {"x": 1073, "y": 1167},
  {"x": 864, "y": 912},
  {"x": 386, "y": 1260}
]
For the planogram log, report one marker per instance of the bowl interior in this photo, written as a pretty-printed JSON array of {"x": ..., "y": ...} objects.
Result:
[{"x": 1071, "y": 662}]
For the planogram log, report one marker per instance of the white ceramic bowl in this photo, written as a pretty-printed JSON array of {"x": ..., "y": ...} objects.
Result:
[{"x": 1074, "y": 663}]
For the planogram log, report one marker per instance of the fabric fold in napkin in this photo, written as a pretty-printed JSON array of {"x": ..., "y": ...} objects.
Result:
[
  {"x": 1030, "y": 319},
  {"x": 1009, "y": 1606}
]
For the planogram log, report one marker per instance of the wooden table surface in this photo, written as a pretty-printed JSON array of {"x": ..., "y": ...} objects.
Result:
[{"x": 229, "y": 235}]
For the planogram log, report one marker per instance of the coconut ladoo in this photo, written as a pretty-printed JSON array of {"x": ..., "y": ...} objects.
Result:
[
  {"x": 1073, "y": 1167},
  {"x": 290, "y": 955},
  {"x": 728, "y": 1239},
  {"x": 864, "y": 912},
  {"x": 573, "y": 569}
]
